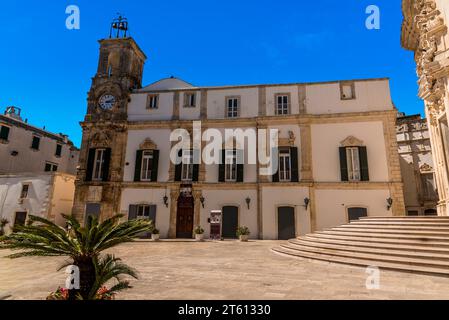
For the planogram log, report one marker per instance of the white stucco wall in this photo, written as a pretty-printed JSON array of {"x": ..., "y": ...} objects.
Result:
[
  {"x": 326, "y": 139},
  {"x": 217, "y": 199},
  {"x": 20, "y": 140},
  {"x": 216, "y": 100},
  {"x": 161, "y": 137},
  {"x": 37, "y": 202},
  {"x": 189, "y": 113},
  {"x": 62, "y": 197},
  {"x": 331, "y": 205},
  {"x": 137, "y": 108},
  {"x": 132, "y": 196},
  {"x": 370, "y": 96},
  {"x": 274, "y": 197},
  {"x": 271, "y": 103}
]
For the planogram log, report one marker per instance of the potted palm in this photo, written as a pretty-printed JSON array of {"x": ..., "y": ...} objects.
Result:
[
  {"x": 199, "y": 233},
  {"x": 155, "y": 234},
  {"x": 84, "y": 246},
  {"x": 3, "y": 223},
  {"x": 243, "y": 233}
]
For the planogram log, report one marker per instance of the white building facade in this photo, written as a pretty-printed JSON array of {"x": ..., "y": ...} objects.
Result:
[{"x": 337, "y": 155}]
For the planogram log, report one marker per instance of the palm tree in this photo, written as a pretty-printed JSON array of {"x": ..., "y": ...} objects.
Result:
[{"x": 82, "y": 245}]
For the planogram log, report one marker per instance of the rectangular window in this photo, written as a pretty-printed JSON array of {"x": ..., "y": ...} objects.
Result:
[
  {"x": 58, "y": 152},
  {"x": 187, "y": 165},
  {"x": 145, "y": 212},
  {"x": 147, "y": 165},
  {"x": 282, "y": 104},
  {"x": 98, "y": 165},
  {"x": 190, "y": 100},
  {"x": 36, "y": 142},
  {"x": 231, "y": 166},
  {"x": 353, "y": 158},
  {"x": 4, "y": 133},
  {"x": 232, "y": 107},
  {"x": 347, "y": 91},
  {"x": 51, "y": 167},
  {"x": 284, "y": 165},
  {"x": 153, "y": 101},
  {"x": 24, "y": 192}
]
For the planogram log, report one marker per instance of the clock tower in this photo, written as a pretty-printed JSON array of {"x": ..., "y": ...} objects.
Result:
[{"x": 105, "y": 125}]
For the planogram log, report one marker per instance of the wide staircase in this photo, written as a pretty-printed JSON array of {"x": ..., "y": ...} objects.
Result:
[{"x": 413, "y": 244}]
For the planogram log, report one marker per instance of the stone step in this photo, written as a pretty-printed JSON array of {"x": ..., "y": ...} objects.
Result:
[
  {"x": 363, "y": 234},
  {"x": 383, "y": 251},
  {"x": 373, "y": 256},
  {"x": 394, "y": 246},
  {"x": 398, "y": 226},
  {"x": 392, "y": 231},
  {"x": 363, "y": 262},
  {"x": 405, "y": 219},
  {"x": 400, "y": 223},
  {"x": 440, "y": 244}
]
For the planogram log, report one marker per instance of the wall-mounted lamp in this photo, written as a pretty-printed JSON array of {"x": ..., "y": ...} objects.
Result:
[
  {"x": 202, "y": 200},
  {"x": 248, "y": 202},
  {"x": 389, "y": 203},
  {"x": 166, "y": 201},
  {"x": 306, "y": 203}
]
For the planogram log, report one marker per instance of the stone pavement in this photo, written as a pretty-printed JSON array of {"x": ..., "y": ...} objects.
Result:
[{"x": 224, "y": 270}]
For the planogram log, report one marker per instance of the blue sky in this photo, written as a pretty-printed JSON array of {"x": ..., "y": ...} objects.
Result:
[{"x": 46, "y": 69}]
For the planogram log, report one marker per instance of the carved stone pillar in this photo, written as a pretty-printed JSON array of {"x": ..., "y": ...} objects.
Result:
[
  {"x": 262, "y": 101},
  {"x": 306, "y": 153},
  {"x": 203, "y": 104},
  {"x": 302, "y": 99},
  {"x": 176, "y": 103},
  {"x": 174, "y": 195},
  {"x": 197, "y": 216}
]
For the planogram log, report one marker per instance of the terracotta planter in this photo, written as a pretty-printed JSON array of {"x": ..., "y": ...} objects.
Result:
[
  {"x": 244, "y": 238},
  {"x": 199, "y": 237},
  {"x": 155, "y": 237}
]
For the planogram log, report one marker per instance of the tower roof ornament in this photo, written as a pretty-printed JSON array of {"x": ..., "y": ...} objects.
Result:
[{"x": 119, "y": 27}]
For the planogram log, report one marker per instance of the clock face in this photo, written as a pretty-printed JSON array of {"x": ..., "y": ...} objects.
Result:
[{"x": 107, "y": 101}]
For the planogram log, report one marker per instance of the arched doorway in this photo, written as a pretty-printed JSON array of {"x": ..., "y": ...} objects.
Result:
[
  {"x": 286, "y": 223},
  {"x": 185, "y": 216},
  {"x": 230, "y": 222}
]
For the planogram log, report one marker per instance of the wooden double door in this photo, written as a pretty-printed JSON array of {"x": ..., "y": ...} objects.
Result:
[{"x": 185, "y": 217}]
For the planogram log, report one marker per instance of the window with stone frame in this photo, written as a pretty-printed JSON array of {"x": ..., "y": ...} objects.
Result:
[
  {"x": 190, "y": 100},
  {"x": 347, "y": 91},
  {"x": 232, "y": 107},
  {"x": 282, "y": 104},
  {"x": 153, "y": 101}
]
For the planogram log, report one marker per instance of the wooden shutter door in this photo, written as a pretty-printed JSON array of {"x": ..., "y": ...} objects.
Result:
[
  {"x": 155, "y": 169},
  {"x": 106, "y": 164},
  {"x": 221, "y": 167},
  {"x": 90, "y": 164},
  {"x": 364, "y": 170},
  {"x": 138, "y": 167},
  {"x": 343, "y": 165},
  {"x": 294, "y": 160},
  {"x": 178, "y": 168}
]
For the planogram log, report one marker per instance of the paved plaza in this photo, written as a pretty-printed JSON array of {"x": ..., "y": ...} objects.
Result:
[{"x": 223, "y": 270}]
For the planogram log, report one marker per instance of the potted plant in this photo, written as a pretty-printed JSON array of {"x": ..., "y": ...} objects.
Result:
[
  {"x": 199, "y": 233},
  {"x": 243, "y": 233},
  {"x": 3, "y": 223},
  {"x": 155, "y": 234}
]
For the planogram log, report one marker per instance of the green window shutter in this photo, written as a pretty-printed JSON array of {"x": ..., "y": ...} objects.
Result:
[
  {"x": 90, "y": 164},
  {"x": 196, "y": 166},
  {"x": 343, "y": 165},
  {"x": 4, "y": 133},
  {"x": 178, "y": 168},
  {"x": 107, "y": 162},
  {"x": 294, "y": 160},
  {"x": 132, "y": 214},
  {"x": 274, "y": 155},
  {"x": 155, "y": 169},
  {"x": 152, "y": 216},
  {"x": 221, "y": 166},
  {"x": 138, "y": 167},
  {"x": 240, "y": 165},
  {"x": 364, "y": 170}
]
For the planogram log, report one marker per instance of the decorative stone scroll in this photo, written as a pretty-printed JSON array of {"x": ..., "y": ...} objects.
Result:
[
  {"x": 352, "y": 141},
  {"x": 148, "y": 144}
]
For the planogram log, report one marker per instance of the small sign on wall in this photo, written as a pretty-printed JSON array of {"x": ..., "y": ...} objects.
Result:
[{"x": 215, "y": 224}]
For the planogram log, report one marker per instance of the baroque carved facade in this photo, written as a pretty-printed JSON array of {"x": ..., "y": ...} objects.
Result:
[{"x": 425, "y": 32}]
